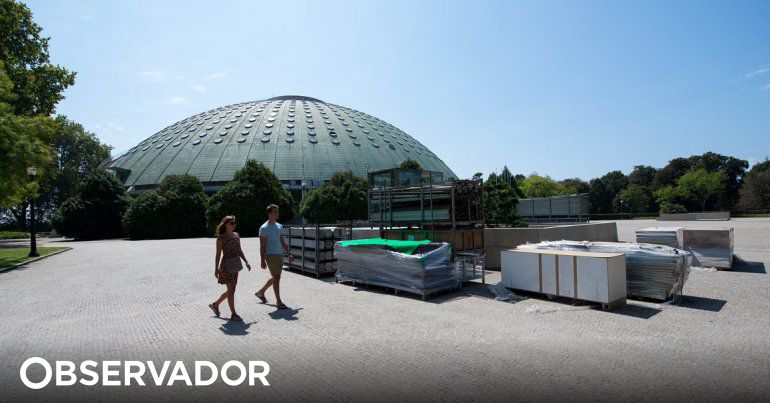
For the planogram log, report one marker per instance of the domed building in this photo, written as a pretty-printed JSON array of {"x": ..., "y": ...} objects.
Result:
[{"x": 302, "y": 139}]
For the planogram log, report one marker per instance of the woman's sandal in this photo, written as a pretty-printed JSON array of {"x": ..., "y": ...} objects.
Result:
[
  {"x": 261, "y": 297},
  {"x": 236, "y": 318},
  {"x": 282, "y": 306},
  {"x": 215, "y": 309}
]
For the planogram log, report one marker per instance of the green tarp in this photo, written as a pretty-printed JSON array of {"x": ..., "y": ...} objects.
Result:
[{"x": 406, "y": 247}]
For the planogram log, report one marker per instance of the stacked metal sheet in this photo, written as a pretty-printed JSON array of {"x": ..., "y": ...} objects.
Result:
[
  {"x": 669, "y": 236},
  {"x": 428, "y": 271},
  {"x": 313, "y": 247},
  {"x": 710, "y": 247},
  {"x": 652, "y": 271}
]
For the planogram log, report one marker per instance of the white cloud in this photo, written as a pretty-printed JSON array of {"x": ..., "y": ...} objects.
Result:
[
  {"x": 156, "y": 75},
  {"x": 219, "y": 74},
  {"x": 116, "y": 127},
  {"x": 199, "y": 88},
  {"x": 176, "y": 100},
  {"x": 86, "y": 17},
  {"x": 766, "y": 87},
  {"x": 760, "y": 70}
]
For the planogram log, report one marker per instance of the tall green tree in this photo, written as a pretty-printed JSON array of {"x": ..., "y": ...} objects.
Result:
[
  {"x": 642, "y": 175},
  {"x": 576, "y": 185},
  {"x": 605, "y": 189},
  {"x": 343, "y": 198},
  {"x": 500, "y": 201},
  {"x": 23, "y": 143},
  {"x": 37, "y": 83},
  {"x": 634, "y": 199},
  {"x": 542, "y": 186},
  {"x": 177, "y": 209},
  {"x": 96, "y": 211},
  {"x": 246, "y": 196},
  {"x": 701, "y": 185},
  {"x": 755, "y": 192}
]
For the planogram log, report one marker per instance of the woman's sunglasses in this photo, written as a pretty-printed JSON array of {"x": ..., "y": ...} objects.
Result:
[{"x": 232, "y": 222}]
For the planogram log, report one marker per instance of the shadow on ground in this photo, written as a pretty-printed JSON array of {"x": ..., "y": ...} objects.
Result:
[
  {"x": 235, "y": 328},
  {"x": 702, "y": 303},
  {"x": 285, "y": 314},
  {"x": 743, "y": 266}
]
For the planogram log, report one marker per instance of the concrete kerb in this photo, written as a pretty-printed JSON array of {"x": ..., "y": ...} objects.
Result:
[{"x": 34, "y": 259}]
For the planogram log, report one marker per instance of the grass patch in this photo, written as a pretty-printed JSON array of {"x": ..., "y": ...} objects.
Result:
[{"x": 14, "y": 256}]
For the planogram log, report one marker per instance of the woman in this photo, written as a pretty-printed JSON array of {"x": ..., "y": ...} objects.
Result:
[{"x": 226, "y": 267}]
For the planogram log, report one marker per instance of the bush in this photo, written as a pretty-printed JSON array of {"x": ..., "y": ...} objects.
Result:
[
  {"x": 344, "y": 198},
  {"x": 672, "y": 208},
  {"x": 14, "y": 234},
  {"x": 246, "y": 196},
  {"x": 176, "y": 210},
  {"x": 95, "y": 212}
]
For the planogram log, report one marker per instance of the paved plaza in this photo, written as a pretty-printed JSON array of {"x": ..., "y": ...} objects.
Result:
[{"x": 147, "y": 300}]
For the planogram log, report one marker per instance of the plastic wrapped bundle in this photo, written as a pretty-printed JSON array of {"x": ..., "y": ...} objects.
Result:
[
  {"x": 652, "y": 271},
  {"x": 668, "y": 236},
  {"x": 428, "y": 270}
]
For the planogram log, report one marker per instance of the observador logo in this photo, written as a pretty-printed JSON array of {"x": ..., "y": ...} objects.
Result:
[{"x": 108, "y": 373}]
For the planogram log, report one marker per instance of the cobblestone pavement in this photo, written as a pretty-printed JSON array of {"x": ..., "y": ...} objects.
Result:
[{"x": 147, "y": 300}]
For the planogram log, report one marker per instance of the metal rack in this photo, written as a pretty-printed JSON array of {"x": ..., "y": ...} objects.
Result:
[
  {"x": 412, "y": 204},
  {"x": 312, "y": 246}
]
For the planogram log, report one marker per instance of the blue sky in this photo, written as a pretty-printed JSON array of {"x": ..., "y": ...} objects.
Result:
[{"x": 561, "y": 88}]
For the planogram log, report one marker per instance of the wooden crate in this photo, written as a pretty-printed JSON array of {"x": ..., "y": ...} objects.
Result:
[{"x": 585, "y": 276}]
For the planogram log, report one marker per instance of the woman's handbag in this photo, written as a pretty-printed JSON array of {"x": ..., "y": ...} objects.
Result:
[{"x": 232, "y": 264}]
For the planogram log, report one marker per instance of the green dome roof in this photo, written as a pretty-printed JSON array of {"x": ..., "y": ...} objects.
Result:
[{"x": 301, "y": 139}]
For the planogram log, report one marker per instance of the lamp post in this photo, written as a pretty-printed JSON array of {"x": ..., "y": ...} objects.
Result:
[{"x": 32, "y": 172}]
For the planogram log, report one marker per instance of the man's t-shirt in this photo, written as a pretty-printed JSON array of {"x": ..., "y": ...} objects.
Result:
[{"x": 273, "y": 233}]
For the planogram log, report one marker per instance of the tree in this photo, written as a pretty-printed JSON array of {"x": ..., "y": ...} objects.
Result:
[
  {"x": 500, "y": 200},
  {"x": 755, "y": 192},
  {"x": 734, "y": 169},
  {"x": 701, "y": 185},
  {"x": 343, "y": 198},
  {"x": 75, "y": 153},
  {"x": 96, "y": 211},
  {"x": 542, "y": 186},
  {"x": 604, "y": 190},
  {"x": 671, "y": 172},
  {"x": 642, "y": 175},
  {"x": 410, "y": 163},
  {"x": 246, "y": 196},
  {"x": 38, "y": 84},
  {"x": 576, "y": 185},
  {"x": 635, "y": 199},
  {"x": 23, "y": 143},
  {"x": 176, "y": 210}
]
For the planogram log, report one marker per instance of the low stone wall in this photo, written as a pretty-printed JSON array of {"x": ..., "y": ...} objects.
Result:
[
  {"x": 499, "y": 239},
  {"x": 711, "y": 216}
]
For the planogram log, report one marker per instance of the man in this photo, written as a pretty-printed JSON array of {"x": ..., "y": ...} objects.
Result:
[{"x": 271, "y": 248}]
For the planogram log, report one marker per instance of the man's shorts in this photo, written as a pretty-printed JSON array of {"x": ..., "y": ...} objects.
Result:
[{"x": 274, "y": 264}]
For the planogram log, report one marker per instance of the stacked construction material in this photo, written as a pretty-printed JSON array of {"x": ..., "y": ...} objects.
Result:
[
  {"x": 710, "y": 247},
  {"x": 420, "y": 267},
  {"x": 313, "y": 247},
  {"x": 669, "y": 236},
  {"x": 652, "y": 271}
]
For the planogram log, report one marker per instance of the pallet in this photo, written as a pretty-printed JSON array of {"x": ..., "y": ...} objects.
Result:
[{"x": 424, "y": 294}]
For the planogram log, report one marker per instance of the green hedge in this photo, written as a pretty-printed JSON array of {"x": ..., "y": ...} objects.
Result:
[
  {"x": 13, "y": 234},
  {"x": 176, "y": 210}
]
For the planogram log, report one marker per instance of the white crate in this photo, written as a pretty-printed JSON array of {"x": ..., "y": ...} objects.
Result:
[{"x": 588, "y": 276}]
